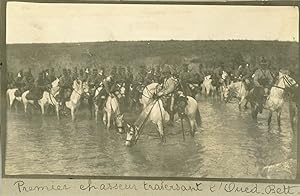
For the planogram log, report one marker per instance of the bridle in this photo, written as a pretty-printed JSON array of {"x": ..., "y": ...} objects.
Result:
[
  {"x": 151, "y": 94},
  {"x": 136, "y": 132},
  {"x": 285, "y": 81},
  {"x": 133, "y": 131}
]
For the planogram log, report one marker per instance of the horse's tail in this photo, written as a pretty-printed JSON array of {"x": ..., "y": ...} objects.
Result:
[{"x": 198, "y": 116}]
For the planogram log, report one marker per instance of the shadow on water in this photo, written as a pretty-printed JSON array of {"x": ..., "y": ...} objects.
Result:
[{"x": 228, "y": 144}]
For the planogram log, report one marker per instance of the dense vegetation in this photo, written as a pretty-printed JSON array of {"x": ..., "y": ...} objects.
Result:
[{"x": 150, "y": 53}]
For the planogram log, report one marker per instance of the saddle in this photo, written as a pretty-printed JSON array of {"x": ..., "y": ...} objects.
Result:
[
  {"x": 18, "y": 93},
  {"x": 64, "y": 95},
  {"x": 35, "y": 94}
]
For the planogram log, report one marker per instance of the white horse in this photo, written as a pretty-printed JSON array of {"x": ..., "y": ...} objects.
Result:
[
  {"x": 207, "y": 87},
  {"x": 153, "y": 110},
  {"x": 74, "y": 102},
  {"x": 112, "y": 112},
  {"x": 47, "y": 98},
  {"x": 188, "y": 108},
  {"x": 275, "y": 99},
  {"x": 237, "y": 90},
  {"x": 12, "y": 97}
]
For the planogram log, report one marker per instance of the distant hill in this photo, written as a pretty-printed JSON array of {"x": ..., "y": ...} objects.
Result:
[{"x": 150, "y": 53}]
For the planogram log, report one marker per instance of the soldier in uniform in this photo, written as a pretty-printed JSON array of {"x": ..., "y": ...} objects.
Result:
[
  {"x": 247, "y": 76},
  {"x": 262, "y": 83},
  {"x": 85, "y": 74},
  {"x": 122, "y": 76},
  {"x": 149, "y": 77},
  {"x": 93, "y": 82},
  {"x": 168, "y": 91},
  {"x": 75, "y": 73},
  {"x": 101, "y": 74},
  {"x": 65, "y": 84},
  {"x": 81, "y": 75},
  {"x": 38, "y": 88},
  {"x": 52, "y": 75},
  {"x": 10, "y": 80},
  {"x": 157, "y": 74},
  {"x": 18, "y": 81},
  {"x": 185, "y": 77},
  {"x": 28, "y": 81}
]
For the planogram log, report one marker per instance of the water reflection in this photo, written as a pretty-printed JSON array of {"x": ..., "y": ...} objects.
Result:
[{"x": 228, "y": 144}]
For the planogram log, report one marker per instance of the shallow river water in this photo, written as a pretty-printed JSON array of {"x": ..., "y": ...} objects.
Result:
[{"x": 229, "y": 144}]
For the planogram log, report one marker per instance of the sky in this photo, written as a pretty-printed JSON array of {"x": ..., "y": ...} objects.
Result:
[{"x": 57, "y": 23}]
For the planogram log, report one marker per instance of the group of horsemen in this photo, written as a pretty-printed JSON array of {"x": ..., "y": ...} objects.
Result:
[{"x": 174, "y": 83}]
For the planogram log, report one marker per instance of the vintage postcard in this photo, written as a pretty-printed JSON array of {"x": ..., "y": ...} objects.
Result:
[{"x": 151, "y": 91}]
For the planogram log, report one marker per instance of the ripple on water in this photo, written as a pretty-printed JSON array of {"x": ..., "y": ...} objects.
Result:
[{"x": 227, "y": 144}]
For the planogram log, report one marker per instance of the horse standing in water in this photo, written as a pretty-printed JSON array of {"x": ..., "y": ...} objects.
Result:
[
  {"x": 275, "y": 99},
  {"x": 11, "y": 95},
  {"x": 207, "y": 87},
  {"x": 112, "y": 112},
  {"x": 47, "y": 98},
  {"x": 78, "y": 89},
  {"x": 237, "y": 90},
  {"x": 187, "y": 108},
  {"x": 153, "y": 110}
]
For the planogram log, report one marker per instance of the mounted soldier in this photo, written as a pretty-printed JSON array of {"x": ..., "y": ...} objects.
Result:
[
  {"x": 28, "y": 81},
  {"x": 246, "y": 77},
  {"x": 93, "y": 82},
  {"x": 139, "y": 82},
  {"x": 75, "y": 73},
  {"x": 51, "y": 75},
  {"x": 263, "y": 81},
  {"x": 185, "y": 77},
  {"x": 157, "y": 74},
  {"x": 149, "y": 77},
  {"x": 10, "y": 80},
  {"x": 101, "y": 74},
  {"x": 19, "y": 83},
  {"x": 169, "y": 86},
  {"x": 65, "y": 84},
  {"x": 39, "y": 86}
]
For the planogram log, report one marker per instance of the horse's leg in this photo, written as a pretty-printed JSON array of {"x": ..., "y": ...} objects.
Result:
[
  {"x": 241, "y": 101},
  {"x": 104, "y": 118},
  {"x": 108, "y": 120},
  {"x": 160, "y": 128},
  {"x": 254, "y": 111},
  {"x": 90, "y": 102},
  {"x": 57, "y": 111},
  {"x": 270, "y": 118},
  {"x": 96, "y": 112},
  {"x": 42, "y": 108},
  {"x": 25, "y": 107},
  {"x": 293, "y": 116},
  {"x": 279, "y": 117},
  {"x": 245, "y": 106},
  {"x": 192, "y": 123},
  {"x": 73, "y": 113},
  {"x": 11, "y": 101}
]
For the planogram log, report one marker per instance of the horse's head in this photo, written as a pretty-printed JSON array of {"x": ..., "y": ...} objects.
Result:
[
  {"x": 77, "y": 85},
  {"x": 288, "y": 81},
  {"x": 119, "y": 123},
  {"x": 131, "y": 135},
  {"x": 54, "y": 84}
]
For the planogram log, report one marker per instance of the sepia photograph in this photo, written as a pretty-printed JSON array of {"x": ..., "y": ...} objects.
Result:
[{"x": 152, "y": 90}]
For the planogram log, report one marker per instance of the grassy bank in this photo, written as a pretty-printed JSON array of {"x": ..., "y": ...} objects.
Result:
[{"x": 150, "y": 53}]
